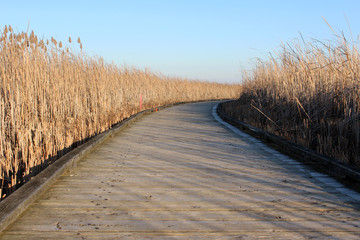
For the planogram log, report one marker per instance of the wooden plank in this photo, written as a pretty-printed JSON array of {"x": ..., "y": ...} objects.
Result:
[
  {"x": 183, "y": 226},
  {"x": 231, "y": 235},
  {"x": 169, "y": 215}
]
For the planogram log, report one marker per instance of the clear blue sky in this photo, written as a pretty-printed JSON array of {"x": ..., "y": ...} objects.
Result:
[{"x": 197, "y": 39}]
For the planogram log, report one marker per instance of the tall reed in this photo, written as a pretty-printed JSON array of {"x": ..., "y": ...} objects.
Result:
[
  {"x": 54, "y": 97},
  {"x": 309, "y": 93}
]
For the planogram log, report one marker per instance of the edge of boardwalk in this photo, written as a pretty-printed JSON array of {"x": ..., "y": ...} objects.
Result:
[
  {"x": 342, "y": 172},
  {"x": 17, "y": 202}
]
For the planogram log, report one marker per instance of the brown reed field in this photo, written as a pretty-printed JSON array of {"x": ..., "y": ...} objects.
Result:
[
  {"x": 307, "y": 92},
  {"x": 54, "y": 97}
]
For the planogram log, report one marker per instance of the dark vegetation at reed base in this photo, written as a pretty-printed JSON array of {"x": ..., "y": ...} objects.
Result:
[
  {"x": 309, "y": 94},
  {"x": 54, "y": 97}
]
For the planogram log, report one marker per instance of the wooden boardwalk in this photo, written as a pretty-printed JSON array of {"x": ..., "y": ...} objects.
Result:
[{"x": 180, "y": 174}]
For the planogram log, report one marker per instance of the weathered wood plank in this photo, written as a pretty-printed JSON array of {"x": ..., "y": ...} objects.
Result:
[
  {"x": 184, "y": 235},
  {"x": 183, "y": 225},
  {"x": 168, "y": 215}
]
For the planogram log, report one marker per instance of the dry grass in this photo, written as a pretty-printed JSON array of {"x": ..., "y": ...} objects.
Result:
[
  {"x": 53, "y": 97},
  {"x": 309, "y": 93}
]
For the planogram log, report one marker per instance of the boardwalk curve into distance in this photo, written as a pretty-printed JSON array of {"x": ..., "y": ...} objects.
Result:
[{"x": 180, "y": 174}]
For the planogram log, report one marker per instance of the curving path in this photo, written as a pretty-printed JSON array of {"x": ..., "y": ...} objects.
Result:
[{"x": 180, "y": 174}]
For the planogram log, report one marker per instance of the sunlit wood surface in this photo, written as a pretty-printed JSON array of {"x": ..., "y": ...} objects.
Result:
[{"x": 180, "y": 174}]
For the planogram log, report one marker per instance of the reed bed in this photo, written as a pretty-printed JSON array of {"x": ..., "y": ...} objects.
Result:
[
  {"x": 309, "y": 93},
  {"x": 54, "y": 97}
]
